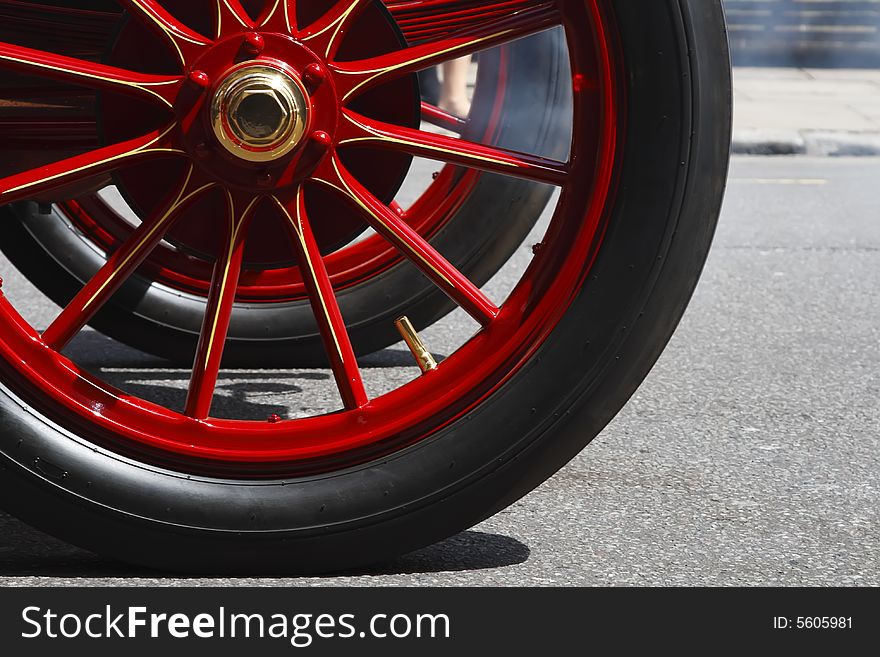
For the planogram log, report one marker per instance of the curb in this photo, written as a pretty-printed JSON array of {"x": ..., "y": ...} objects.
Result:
[{"x": 751, "y": 141}]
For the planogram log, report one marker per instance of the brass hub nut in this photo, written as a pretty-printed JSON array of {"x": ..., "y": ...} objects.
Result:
[{"x": 259, "y": 113}]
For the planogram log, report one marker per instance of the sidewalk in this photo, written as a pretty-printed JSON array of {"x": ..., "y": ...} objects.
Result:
[{"x": 790, "y": 111}]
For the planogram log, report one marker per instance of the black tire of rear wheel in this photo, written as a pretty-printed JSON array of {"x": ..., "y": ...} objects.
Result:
[
  {"x": 479, "y": 239},
  {"x": 671, "y": 184}
]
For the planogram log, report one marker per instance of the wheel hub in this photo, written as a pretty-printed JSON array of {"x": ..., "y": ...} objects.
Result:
[
  {"x": 259, "y": 113},
  {"x": 269, "y": 105}
]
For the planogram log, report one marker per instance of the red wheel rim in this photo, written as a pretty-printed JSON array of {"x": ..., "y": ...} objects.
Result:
[{"x": 510, "y": 334}]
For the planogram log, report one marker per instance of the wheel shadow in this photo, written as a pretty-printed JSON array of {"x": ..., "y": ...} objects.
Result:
[
  {"x": 241, "y": 393},
  {"x": 467, "y": 551},
  {"x": 91, "y": 350},
  {"x": 27, "y": 552}
]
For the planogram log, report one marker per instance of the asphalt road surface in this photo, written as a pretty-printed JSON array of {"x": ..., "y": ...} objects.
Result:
[{"x": 750, "y": 456}]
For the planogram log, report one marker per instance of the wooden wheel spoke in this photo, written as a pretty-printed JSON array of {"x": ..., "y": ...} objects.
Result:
[
  {"x": 121, "y": 264},
  {"x": 159, "y": 88},
  {"x": 69, "y": 172},
  {"x": 221, "y": 300},
  {"x": 331, "y": 324},
  {"x": 412, "y": 245},
  {"x": 369, "y": 132}
]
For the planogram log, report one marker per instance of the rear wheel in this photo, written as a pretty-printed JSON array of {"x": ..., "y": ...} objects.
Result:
[{"x": 541, "y": 373}]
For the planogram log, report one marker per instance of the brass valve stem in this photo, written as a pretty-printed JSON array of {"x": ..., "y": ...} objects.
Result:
[{"x": 424, "y": 359}]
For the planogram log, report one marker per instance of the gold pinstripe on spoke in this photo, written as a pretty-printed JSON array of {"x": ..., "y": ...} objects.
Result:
[
  {"x": 430, "y": 147},
  {"x": 287, "y": 22},
  {"x": 220, "y": 5},
  {"x": 338, "y": 23},
  {"x": 348, "y": 191},
  {"x": 379, "y": 72},
  {"x": 92, "y": 76},
  {"x": 160, "y": 224},
  {"x": 236, "y": 225},
  {"x": 172, "y": 35},
  {"x": 298, "y": 229},
  {"x": 146, "y": 148}
]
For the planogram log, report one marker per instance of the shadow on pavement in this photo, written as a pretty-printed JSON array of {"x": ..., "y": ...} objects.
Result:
[
  {"x": 93, "y": 350},
  {"x": 27, "y": 552}
]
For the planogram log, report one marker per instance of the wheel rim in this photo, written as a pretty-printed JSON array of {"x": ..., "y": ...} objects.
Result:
[{"x": 510, "y": 334}]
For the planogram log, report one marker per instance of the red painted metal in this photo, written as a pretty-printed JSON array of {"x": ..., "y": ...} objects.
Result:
[
  {"x": 221, "y": 300},
  {"x": 436, "y": 116},
  {"x": 355, "y": 78},
  {"x": 96, "y": 76},
  {"x": 122, "y": 264},
  {"x": 414, "y": 247},
  {"x": 62, "y": 175},
  {"x": 151, "y": 13},
  {"x": 347, "y": 267},
  {"x": 423, "y": 20},
  {"x": 360, "y": 130},
  {"x": 331, "y": 324},
  {"x": 510, "y": 335}
]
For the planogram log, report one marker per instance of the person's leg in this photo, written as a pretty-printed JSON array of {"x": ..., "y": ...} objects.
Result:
[{"x": 454, "y": 97}]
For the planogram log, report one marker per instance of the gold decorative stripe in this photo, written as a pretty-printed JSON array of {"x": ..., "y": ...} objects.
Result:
[
  {"x": 220, "y": 5},
  {"x": 297, "y": 225},
  {"x": 287, "y": 22},
  {"x": 379, "y": 72},
  {"x": 142, "y": 86},
  {"x": 348, "y": 191},
  {"x": 235, "y": 228},
  {"x": 169, "y": 30},
  {"x": 421, "y": 145},
  {"x": 141, "y": 150},
  {"x": 338, "y": 23},
  {"x": 160, "y": 224}
]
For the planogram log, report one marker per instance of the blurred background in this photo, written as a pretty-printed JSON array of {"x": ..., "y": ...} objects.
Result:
[
  {"x": 805, "y": 33},
  {"x": 807, "y": 76}
]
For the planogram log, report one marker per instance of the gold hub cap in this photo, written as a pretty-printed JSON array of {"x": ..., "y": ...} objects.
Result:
[{"x": 259, "y": 113}]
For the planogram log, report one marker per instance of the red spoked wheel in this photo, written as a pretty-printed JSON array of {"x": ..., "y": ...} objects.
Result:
[
  {"x": 266, "y": 137},
  {"x": 161, "y": 305}
]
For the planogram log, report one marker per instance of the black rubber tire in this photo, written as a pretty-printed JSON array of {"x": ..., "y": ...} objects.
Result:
[
  {"x": 673, "y": 172},
  {"x": 479, "y": 239}
]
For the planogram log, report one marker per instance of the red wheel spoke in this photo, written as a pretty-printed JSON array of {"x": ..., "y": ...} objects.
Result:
[
  {"x": 185, "y": 41},
  {"x": 230, "y": 18},
  {"x": 89, "y": 74},
  {"x": 412, "y": 245},
  {"x": 361, "y": 130},
  {"x": 120, "y": 266},
  {"x": 67, "y": 173},
  {"x": 331, "y": 324},
  {"x": 326, "y": 34},
  {"x": 442, "y": 119},
  {"x": 357, "y": 77},
  {"x": 279, "y": 16},
  {"x": 221, "y": 300}
]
